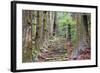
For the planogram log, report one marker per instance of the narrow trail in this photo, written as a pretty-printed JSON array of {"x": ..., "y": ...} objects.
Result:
[{"x": 55, "y": 51}]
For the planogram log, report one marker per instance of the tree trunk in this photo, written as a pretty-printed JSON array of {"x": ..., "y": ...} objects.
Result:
[
  {"x": 26, "y": 36},
  {"x": 55, "y": 24},
  {"x": 86, "y": 29},
  {"x": 81, "y": 39},
  {"x": 51, "y": 19}
]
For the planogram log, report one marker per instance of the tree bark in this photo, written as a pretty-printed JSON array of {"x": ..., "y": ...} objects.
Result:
[
  {"x": 81, "y": 32},
  {"x": 26, "y": 36}
]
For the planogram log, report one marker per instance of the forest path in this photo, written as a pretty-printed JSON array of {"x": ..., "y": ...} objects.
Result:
[
  {"x": 58, "y": 50},
  {"x": 55, "y": 51}
]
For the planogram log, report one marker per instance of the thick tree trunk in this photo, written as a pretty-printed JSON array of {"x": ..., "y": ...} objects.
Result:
[
  {"x": 81, "y": 39},
  {"x": 27, "y": 36},
  {"x": 86, "y": 29}
]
